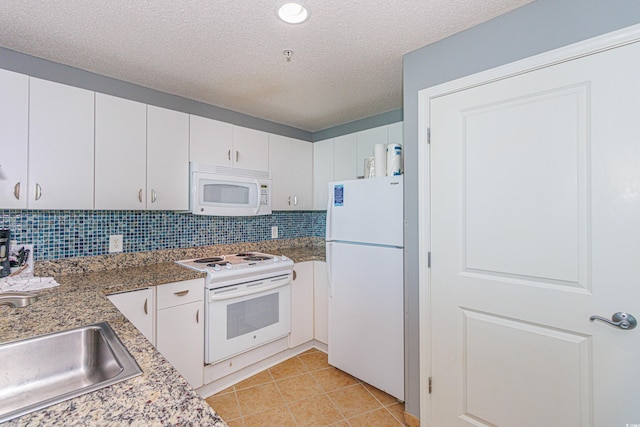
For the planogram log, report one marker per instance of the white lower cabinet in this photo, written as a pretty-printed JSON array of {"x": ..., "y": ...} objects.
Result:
[
  {"x": 309, "y": 303},
  {"x": 320, "y": 302},
  {"x": 139, "y": 308},
  {"x": 301, "y": 304},
  {"x": 180, "y": 327}
]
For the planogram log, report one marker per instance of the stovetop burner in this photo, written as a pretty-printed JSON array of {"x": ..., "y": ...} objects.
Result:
[
  {"x": 256, "y": 257},
  {"x": 209, "y": 259},
  {"x": 244, "y": 254},
  {"x": 220, "y": 263}
]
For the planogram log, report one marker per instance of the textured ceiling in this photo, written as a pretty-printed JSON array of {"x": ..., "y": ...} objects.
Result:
[{"x": 347, "y": 61}]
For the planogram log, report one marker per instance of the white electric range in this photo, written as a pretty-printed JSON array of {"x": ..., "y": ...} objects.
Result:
[{"x": 247, "y": 301}]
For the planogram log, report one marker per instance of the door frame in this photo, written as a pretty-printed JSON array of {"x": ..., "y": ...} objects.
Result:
[{"x": 577, "y": 50}]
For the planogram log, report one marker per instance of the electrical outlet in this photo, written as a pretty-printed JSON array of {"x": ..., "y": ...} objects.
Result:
[
  {"x": 115, "y": 243},
  {"x": 274, "y": 232}
]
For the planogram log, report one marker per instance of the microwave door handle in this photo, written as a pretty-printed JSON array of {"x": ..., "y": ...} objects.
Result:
[{"x": 257, "y": 197}]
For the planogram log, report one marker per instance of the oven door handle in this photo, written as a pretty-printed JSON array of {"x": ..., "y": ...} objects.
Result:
[{"x": 232, "y": 295}]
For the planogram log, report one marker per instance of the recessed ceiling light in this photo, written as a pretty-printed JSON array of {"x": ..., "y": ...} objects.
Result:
[{"x": 293, "y": 13}]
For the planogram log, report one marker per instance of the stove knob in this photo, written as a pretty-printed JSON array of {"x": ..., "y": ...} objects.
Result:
[
  {"x": 227, "y": 266},
  {"x": 276, "y": 259},
  {"x": 283, "y": 258},
  {"x": 216, "y": 267}
]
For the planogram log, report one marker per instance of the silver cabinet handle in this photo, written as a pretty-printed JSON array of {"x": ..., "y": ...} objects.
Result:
[
  {"x": 140, "y": 195},
  {"x": 38, "y": 191},
  {"x": 295, "y": 275},
  {"x": 295, "y": 200},
  {"x": 229, "y": 154},
  {"x": 237, "y": 156},
  {"x": 289, "y": 201},
  {"x": 620, "y": 320},
  {"x": 153, "y": 196},
  {"x": 198, "y": 316},
  {"x": 145, "y": 306},
  {"x": 16, "y": 191},
  {"x": 181, "y": 293}
]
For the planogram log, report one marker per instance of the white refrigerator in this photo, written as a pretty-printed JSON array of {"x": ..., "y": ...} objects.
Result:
[{"x": 364, "y": 251}]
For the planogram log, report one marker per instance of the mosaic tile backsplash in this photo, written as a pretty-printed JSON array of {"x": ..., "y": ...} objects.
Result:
[{"x": 68, "y": 234}]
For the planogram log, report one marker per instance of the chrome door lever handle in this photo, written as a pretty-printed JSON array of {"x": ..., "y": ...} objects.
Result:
[{"x": 620, "y": 320}]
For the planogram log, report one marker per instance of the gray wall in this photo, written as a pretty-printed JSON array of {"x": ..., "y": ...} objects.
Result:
[{"x": 535, "y": 28}]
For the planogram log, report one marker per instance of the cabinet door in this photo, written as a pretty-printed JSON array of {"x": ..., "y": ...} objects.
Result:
[
  {"x": 322, "y": 172},
  {"x": 366, "y": 140},
  {"x": 139, "y": 308},
  {"x": 301, "y": 304},
  {"x": 121, "y": 153},
  {"x": 344, "y": 157},
  {"x": 250, "y": 149},
  {"x": 210, "y": 141},
  {"x": 167, "y": 159},
  {"x": 301, "y": 175},
  {"x": 321, "y": 302},
  {"x": 280, "y": 166},
  {"x": 14, "y": 128},
  {"x": 61, "y": 149},
  {"x": 180, "y": 339}
]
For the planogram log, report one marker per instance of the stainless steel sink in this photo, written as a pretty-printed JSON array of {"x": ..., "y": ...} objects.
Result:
[{"x": 48, "y": 369}]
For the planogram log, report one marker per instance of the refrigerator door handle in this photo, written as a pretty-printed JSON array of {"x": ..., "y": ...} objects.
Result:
[
  {"x": 328, "y": 223},
  {"x": 329, "y": 246}
]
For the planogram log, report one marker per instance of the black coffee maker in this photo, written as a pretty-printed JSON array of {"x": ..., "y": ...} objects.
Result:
[{"x": 5, "y": 241}]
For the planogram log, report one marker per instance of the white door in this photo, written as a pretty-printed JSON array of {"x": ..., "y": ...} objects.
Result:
[
  {"x": 210, "y": 141},
  {"x": 250, "y": 149},
  {"x": 366, "y": 314},
  {"x": 167, "y": 159},
  {"x": 121, "y": 153},
  {"x": 61, "y": 146},
  {"x": 14, "y": 139},
  {"x": 535, "y": 203}
]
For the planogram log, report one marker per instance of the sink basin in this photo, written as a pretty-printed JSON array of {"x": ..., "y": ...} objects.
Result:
[{"x": 48, "y": 369}]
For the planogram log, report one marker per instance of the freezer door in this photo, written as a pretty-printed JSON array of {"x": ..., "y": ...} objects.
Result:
[
  {"x": 366, "y": 210},
  {"x": 366, "y": 333}
]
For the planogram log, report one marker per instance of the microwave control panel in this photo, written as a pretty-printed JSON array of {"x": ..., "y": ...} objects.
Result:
[{"x": 264, "y": 194}]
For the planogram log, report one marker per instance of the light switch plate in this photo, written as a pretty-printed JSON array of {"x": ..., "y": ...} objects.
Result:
[{"x": 274, "y": 232}]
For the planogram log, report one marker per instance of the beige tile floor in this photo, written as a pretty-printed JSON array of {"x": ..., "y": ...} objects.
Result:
[{"x": 306, "y": 391}]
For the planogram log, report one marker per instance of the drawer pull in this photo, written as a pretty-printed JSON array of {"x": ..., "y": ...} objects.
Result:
[{"x": 181, "y": 293}]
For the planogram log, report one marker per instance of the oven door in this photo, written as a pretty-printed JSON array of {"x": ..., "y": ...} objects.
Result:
[{"x": 247, "y": 315}]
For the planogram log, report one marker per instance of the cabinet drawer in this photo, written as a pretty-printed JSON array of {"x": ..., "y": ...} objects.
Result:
[{"x": 178, "y": 293}]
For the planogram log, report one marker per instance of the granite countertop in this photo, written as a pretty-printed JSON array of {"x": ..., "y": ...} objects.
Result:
[{"x": 160, "y": 396}]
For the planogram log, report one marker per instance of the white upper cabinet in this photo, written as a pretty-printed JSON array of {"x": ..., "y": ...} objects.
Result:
[
  {"x": 221, "y": 143},
  {"x": 121, "y": 153},
  {"x": 14, "y": 133},
  {"x": 344, "y": 158},
  {"x": 61, "y": 146},
  {"x": 322, "y": 172},
  {"x": 210, "y": 141},
  {"x": 349, "y": 152},
  {"x": 250, "y": 149},
  {"x": 366, "y": 140},
  {"x": 167, "y": 159},
  {"x": 290, "y": 160}
]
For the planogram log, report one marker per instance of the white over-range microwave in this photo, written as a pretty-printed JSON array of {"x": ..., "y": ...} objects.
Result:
[{"x": 228, "y": 191}]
